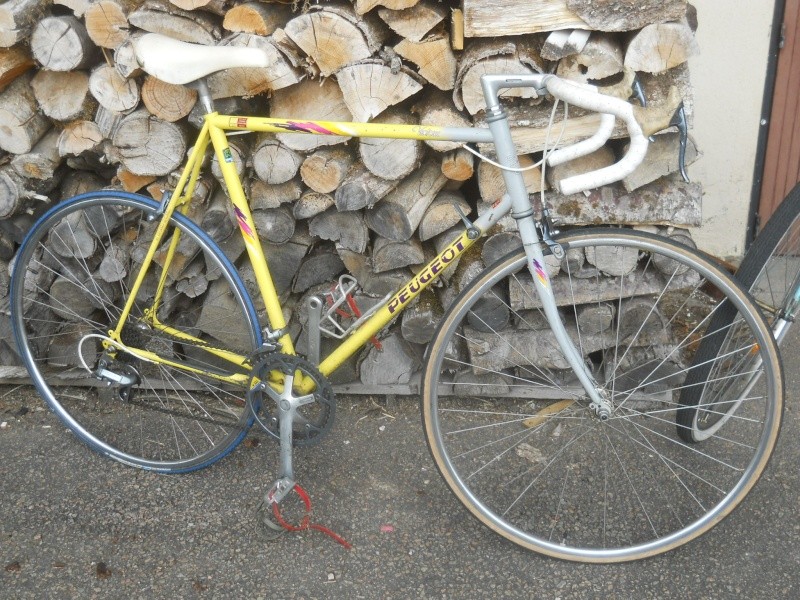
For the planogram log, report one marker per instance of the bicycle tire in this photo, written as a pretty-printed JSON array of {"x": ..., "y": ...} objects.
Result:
[
  {"x": 518, "y": 444},
  {"x": 767, "y": 271},
  {"x": 158, "y": 417}
]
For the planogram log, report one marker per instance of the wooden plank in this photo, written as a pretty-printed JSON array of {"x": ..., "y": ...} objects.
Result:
[{"x": 512, "y": 17}]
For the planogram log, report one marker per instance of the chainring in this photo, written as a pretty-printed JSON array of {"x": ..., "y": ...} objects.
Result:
[{"x": 314, "y": 420}]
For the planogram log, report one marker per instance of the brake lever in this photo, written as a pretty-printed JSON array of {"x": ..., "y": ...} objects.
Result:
[{"x": 679, "y": 120}]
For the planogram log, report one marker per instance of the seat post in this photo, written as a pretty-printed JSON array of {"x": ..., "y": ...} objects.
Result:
[{"x": 204, "y": 95}]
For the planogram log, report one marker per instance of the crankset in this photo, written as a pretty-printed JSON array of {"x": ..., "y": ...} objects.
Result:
[{"x": 312, "y": 413}]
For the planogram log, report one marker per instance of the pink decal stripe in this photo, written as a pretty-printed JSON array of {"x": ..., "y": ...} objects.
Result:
[
  {"x": 243, "y": 224},
  {"x": 304, "y": 127},
  {"x": 540, "y": 272}
]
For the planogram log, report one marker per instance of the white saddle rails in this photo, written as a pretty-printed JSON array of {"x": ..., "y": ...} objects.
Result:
[{"x": 173, "y": 61}]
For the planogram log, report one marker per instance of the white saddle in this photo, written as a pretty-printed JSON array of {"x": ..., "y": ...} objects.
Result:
[{"x": 177, "y": 62}]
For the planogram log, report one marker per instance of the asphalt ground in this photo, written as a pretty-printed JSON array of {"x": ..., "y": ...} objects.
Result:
[{"x": 76, "y": 525}]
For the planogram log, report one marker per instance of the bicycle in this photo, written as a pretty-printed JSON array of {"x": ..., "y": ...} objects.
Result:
[
  {"x": 771, "y": 273},
  {"x": 558, "y": 436}
]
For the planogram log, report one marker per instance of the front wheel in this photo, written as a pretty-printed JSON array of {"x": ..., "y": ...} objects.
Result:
[
  {"x": 514, "y": 435},
  {"x": 167, "y": 404}
]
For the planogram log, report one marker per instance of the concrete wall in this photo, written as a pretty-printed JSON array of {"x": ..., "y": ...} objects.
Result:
[{"x": 728, "y": 80}]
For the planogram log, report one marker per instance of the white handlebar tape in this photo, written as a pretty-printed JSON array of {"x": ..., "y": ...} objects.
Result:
[
  {"x": 577, "y": 95},
  {"x": 584, "y": 147}
]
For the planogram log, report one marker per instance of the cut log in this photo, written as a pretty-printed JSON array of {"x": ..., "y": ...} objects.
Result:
[
  {"x": 311, "y": 100},
  {"x": 17, "y": 192},
  {"x": 79, "y": 182},
  {"x": 266, "y": 195},
  {"x": 43, "y": 159},
  {"x": 80, "y": 137},
  {"x": 256, "y": 18},
  {"x": 364, "y": 6},
  {"x": 22, "y": 123},
  {"x": 370, "y": 87},
  {"x": 321, "y": 266},
  {"x": 613, "y": 260},
  {"x": 442, "y": 214},
  {"x": 436, "y": 109},
  {"x": 62, "y": 351},
  {"x": 159, "y": 17},
  {"x": 415, "y": 22},
  {"x": 360, "y": 188},
  {"x": 665, "y": 201},
  {"x": 167, "y": 101},
  {"x": 595, "y": 318},
  {"x": 657, "y": 48},
  {"x": 601, "y": 57},
  {"x": 511, "y": 17},
  {"x": 499, "y": 245},
  {"x": 391, "y": 158},
  {"x": 251, "y": 81},
  {"x": 397, "y": 216},
  {"x": 419, "y": 320},
  {"x": 131, "y": 182},
  {"x": 284, "y": 260},
  {"x": 274, "y": 225},
  {"x": 13, "y": 63},
  {"x": 625, "y": 15},
  {"x": 125, "y": 58},
  {"x": 149, "y": 146},
  {"x": 275, "y": 163},
  {"x": 113, "y": 91},
  {"x": 329, "y": 38},
  {"x": 434, "y": 58},
  {"x": 388, "y": 255},
  {"x": 661, "y": 160},
  {"x": 17, "y": 19},
  {"x": 114, "y": 266},
  {"x": 376, "y": 284},
  {"x": 395, "y": 363},
  {"x": 64, "y": 96},
  {"x": 324, "y": 170},
  {"x": 240, "y": 151},
  {"x": 346, "y": 228},
  {"x": 564, "y": 42},
  {"x": 491, "y": 57},
  {"x": 312, "y": 203},
  {"x": 598, "y": 159},
  {"x": 107, "y": 21},
  {"x": 62, "y": 44},
  {"x": 458, "y": 165},
  {"x": 491, "y": 184}
]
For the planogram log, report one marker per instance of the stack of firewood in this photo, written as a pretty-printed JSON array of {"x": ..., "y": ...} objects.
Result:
[{"x": 77, "y": 113}]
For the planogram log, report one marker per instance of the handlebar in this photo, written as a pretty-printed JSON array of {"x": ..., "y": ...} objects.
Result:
[{"x": 578, "y": 95}]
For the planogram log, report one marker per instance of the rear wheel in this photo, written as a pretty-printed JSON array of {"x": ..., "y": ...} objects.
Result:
[
  {"x": 71, "y": 280},
  {"x": 516, "y": 439}
]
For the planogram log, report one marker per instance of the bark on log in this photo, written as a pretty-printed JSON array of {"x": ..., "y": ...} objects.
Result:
[
  {"x": 311, "y": 204},
  {"x": 397, "y": 216},
  {"x": 17, "y": 18},
  {"x": 564, "y": 42},
  {"x": 13, "y": 63},
  {"x": 324, "y": 170},
  {"x": 23, "y": 124},
  {"x": 62, "y": 44},
  {"x": 159, "y": 17},
  {"x": 625, "y": 15}
]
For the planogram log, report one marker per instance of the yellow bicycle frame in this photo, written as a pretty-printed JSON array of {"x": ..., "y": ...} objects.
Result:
[{"x": 214, "y": 132}]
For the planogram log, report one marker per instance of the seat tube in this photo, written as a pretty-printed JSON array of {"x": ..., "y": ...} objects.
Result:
[{"x": 523, "y": 213}]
